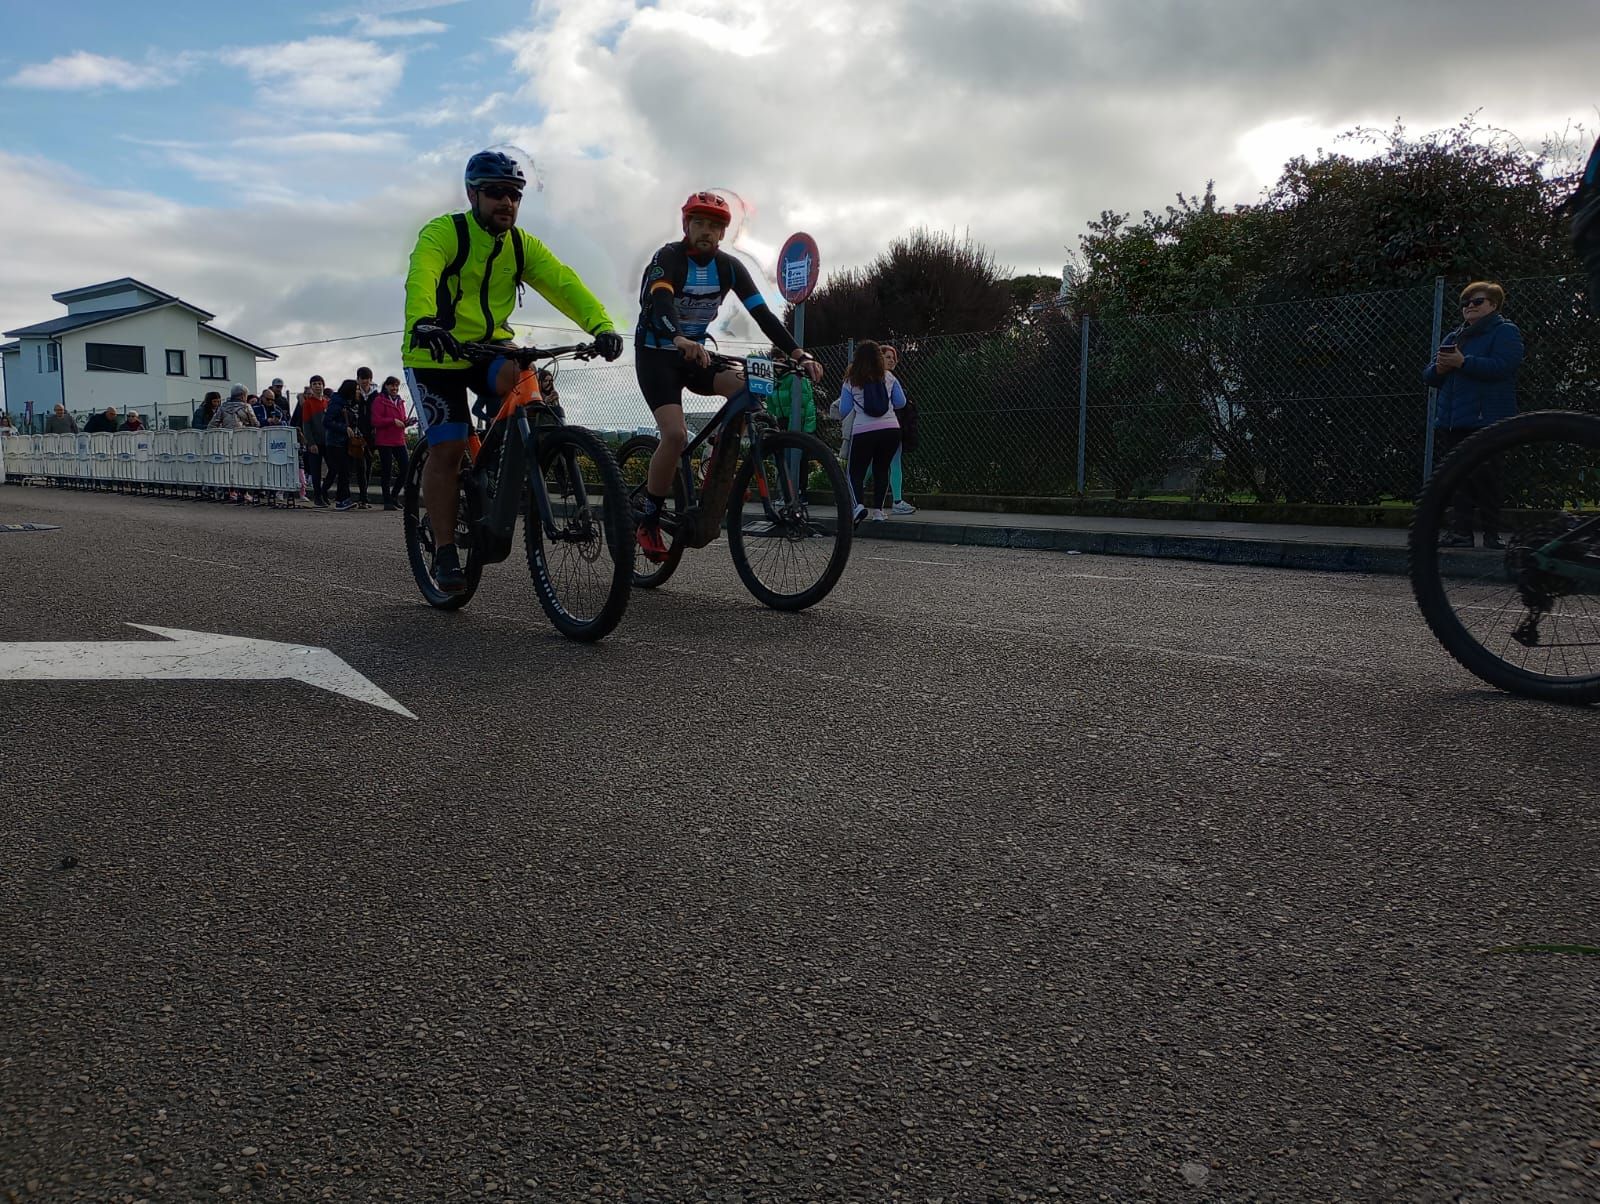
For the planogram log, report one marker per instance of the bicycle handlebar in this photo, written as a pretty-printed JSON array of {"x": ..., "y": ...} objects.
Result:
[{"x": 525, "y": 356}]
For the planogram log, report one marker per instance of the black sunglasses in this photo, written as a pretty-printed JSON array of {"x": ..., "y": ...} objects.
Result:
[
  {"x": 501, "y": 192},
  {"x": 1474, "y": 302}
]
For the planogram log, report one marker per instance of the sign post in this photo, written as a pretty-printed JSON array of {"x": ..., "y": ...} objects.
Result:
[{"x": 799, "y": 267}]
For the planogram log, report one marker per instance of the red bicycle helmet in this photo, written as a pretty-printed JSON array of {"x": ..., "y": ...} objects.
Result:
[{"x": 707, "y": 204}]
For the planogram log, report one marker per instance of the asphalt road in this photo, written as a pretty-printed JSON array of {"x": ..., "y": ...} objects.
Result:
[{"x": 999, "y": 875}]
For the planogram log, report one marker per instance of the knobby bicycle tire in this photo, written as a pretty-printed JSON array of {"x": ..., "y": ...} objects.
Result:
[
  {"x": 811, "y": 449},
  {"x": 419, "y": 552},
  {"x": 616, "y": 532},
  {"x": 1427, "y": 580}
]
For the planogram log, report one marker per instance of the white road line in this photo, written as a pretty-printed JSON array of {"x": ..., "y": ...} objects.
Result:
[
  {"x": 216, "y": 564},
  {"x": 944, "y": 564}
]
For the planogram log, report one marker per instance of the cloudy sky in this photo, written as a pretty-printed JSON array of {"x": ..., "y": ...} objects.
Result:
[{"x": 272, "y": 163}]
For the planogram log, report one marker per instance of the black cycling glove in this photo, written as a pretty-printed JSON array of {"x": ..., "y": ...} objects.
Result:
[
  {"x": 439, "y": 342},
  {"x": 608, "y": 344}
]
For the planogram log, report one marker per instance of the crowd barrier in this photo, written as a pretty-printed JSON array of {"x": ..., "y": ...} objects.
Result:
[{"x": 253, "y": 460}]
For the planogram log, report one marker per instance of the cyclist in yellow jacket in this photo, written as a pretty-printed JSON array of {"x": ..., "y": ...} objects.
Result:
[{"x": 466, "y": 277}]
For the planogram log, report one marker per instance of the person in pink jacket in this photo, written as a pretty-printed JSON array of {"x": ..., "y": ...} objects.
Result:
[{"x": 389, "y": 424}]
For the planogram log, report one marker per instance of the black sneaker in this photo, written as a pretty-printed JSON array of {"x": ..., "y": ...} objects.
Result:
[{"x": 447, "y": 572}]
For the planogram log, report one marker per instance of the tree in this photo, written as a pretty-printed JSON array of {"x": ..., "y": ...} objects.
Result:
[
  {"x": 1215, "y": 351},
  {"x": 926, "y": 283}
]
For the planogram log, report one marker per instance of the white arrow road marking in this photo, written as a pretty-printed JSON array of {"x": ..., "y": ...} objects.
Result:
[{"x": 190, "y": 656}]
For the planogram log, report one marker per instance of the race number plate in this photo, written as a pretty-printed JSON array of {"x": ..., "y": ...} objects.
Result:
[{"x": 759, "y": 375}]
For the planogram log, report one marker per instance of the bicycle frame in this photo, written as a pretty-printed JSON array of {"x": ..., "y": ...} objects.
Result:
[
  {"x": 1547, "y": 559},
  {"x": 515, "y": 439},
  {"x": 742, "y": 404}
]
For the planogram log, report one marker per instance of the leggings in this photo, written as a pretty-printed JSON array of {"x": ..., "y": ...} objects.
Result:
[
  {"x": 338, "y": 459},
  {"x": 392, "y": 458},
  {"x": 874, "y": 450},
  {"x": 896, "y": 475}
]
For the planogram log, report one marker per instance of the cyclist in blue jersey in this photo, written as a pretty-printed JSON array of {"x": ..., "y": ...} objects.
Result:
[{"x": 683, "y": 288}]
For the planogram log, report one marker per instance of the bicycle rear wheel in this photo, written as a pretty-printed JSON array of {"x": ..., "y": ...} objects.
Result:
[
  {"x": 789, "y": 528},
  {"x": 420, "y": 536},
  {"x": 633, "y": 462},
  {"x": 583, "y": 570},
  {"x": 1526, "y": 617}
]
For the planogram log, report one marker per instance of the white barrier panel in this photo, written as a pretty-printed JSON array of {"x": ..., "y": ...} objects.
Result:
[
  {"x": 251, "y": 459},
  {"x": 164, "y": 457},
  {"x": 188, "y": 465},
  {"x": 218, "y": 449},
  {"x": 5, "y": 442},
  {"x": 282, "y": 467},
  {"x": 100, "y": 455}
]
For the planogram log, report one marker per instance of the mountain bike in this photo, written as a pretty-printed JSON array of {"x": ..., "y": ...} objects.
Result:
[
  {"x": 578, "y": 533},
  {"x": 782, "y": 495},
  {"x": 1524, "y": 616}
]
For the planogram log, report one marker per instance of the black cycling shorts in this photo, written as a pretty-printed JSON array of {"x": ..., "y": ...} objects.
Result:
[
  {"x": 440, "y": 395},
  {"x": 664, "y": 375}
]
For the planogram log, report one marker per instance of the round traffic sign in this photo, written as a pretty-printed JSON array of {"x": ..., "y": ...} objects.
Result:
[{"x": 799, "y": 267}]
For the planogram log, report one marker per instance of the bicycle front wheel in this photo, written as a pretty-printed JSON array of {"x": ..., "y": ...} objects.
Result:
[
  {"x": 420, "y": 539},
  {"x": 583, "y": 568},
  {"x": 1523, "y": 616},
  {"x": 789, "y": 528}
]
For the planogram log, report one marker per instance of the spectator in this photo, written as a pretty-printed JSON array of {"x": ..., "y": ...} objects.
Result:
[
  {"x": 337, "y": 427},
  {"x": 547, "y": 388},
  {"x": 207, "y": 411},
  {"x": 780, "y": 402},
  {"x": 60, "y": 422},
  {"x": 389, "y": 437},
  {"x": 134, "y": 423},
  {"x": 104, "y": 421},
  {"x": 235, "y": 412},
  {"x": 873, "y": 394},
  {"x": 908, "y": 440},
  {"x": 308, "y": 420},
  {"x": 1475, "y": 372},
  {"x": 5, "y": 421},
  {"x": 269, "y": 408},
  {"x": 361, "y": 442}
]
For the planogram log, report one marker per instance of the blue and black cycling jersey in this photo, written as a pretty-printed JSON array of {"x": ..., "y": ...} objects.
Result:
[{"x": 681, "y": 294}]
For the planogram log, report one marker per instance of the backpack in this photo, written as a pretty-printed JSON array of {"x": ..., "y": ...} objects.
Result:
[
  {"x": 446, "y": 297},
  {"x": 875, "y": 398}
]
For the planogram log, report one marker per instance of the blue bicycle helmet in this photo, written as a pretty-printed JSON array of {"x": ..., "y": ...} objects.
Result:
[{"x": 494, "y": 167}]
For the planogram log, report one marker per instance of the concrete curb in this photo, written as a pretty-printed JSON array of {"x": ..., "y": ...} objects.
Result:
[{"x": 1266, "y": 553}]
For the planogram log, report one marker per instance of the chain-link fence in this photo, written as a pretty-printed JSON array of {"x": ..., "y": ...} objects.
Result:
[{"x": 1304, "y": 402}]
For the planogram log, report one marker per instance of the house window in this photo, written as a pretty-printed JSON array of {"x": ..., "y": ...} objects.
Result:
[
  {"x": 113, "y": 357},
  {"x": 213, "y": 367},
  {"x": 175, "y": 364},
  {"x": 48, "y": 357}
]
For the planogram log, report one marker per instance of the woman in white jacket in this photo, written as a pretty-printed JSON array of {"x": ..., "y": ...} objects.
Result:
[{"x": 873, "y": 395}]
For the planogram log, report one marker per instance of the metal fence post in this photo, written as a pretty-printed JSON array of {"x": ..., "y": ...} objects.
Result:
[
  {"x": 1433, "y": 394},
  {"x": 1083, "y": 403}
]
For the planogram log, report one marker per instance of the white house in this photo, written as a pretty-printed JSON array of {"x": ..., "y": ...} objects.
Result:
[{"x": 124, "y": 344}]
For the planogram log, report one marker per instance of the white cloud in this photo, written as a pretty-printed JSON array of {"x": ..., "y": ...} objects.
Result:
[
  {"x": 388, "y": 27},
  {"x": 84, "y": 72},
  {"x": 325, "y": 142},
  {"x": 336, "y": 75}
]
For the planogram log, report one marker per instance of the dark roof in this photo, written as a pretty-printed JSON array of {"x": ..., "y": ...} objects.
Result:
[
  {"x": 10, "y": 347},
  {"x": 110, "y": 286},
  {"x": 262, "y": 351},
  {"x": 57, "y": 326}
]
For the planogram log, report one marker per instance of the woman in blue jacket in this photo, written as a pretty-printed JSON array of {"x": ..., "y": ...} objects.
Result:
[
  {"x": 337, "y": 420},
  {"x": 1475, "y": 372}
]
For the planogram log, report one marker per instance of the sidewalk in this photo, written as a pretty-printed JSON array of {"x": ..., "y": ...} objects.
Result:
[{"x": 1319, "y": 549}]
